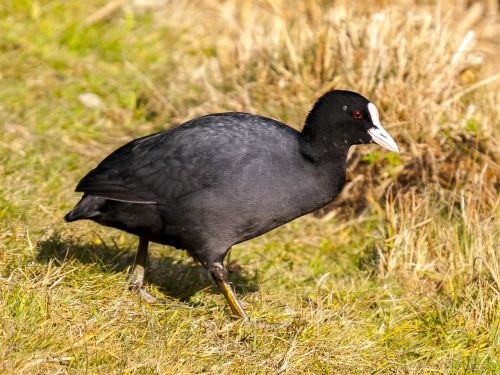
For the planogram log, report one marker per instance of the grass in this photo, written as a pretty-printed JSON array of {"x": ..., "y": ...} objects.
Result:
[{"x": 400, "y": 275}]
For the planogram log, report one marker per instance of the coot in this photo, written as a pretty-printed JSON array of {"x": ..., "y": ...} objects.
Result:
[{"x": 225, "y": 178}]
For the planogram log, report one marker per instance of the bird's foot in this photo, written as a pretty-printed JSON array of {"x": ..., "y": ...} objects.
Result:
[
  {"x": 136, "y": 286},
  {"x": 145, "y": 296}
]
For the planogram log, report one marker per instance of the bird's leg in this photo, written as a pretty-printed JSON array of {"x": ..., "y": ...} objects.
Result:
[
  {"x": 219, "y": 274},
  {"x": 139, "y": 268}
]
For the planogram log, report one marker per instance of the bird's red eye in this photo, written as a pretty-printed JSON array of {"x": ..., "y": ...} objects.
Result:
[{"x": 357, "y": 115}]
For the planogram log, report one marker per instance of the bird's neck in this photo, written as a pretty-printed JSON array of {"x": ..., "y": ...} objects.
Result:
[
  {"x": 319, "y": 143},
  {"x": 326, "y": 153}
]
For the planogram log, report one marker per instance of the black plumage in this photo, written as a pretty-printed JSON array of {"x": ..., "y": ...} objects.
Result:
[{"x": 225, "y": 178}]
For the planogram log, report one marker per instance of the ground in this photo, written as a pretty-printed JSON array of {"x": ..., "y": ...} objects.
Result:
[{"x": 401, "y": 275}]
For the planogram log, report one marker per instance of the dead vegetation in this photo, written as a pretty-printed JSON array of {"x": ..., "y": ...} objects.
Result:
[{"x": 400, "y": 275}]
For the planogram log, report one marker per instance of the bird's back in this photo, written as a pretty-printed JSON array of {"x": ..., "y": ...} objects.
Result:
[{"x": 199, "y": 154}]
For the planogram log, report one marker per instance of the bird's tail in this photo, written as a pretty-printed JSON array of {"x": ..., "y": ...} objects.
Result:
[{"x": 87, "y": 208}]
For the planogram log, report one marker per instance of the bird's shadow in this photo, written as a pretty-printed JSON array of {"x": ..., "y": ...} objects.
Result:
[{"x": 174, "y": 276}]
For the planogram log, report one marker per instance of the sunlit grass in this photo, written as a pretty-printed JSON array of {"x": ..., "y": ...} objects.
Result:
[{"x": 401, "y": 277}]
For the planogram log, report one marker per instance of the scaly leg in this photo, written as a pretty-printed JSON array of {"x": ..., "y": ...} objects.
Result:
[
  {"x": 139, "y": 268},
  {"x": 219, "y": 274}
]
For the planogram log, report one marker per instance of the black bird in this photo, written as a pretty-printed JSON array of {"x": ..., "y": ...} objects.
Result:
[{"x": 225, "y": 178}]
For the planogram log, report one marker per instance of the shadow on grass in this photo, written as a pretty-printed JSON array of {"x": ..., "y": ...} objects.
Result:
[{"x": 175, "y": 277}]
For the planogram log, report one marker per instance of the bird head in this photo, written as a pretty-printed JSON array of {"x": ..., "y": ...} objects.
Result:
[{"x": 345, "y": 118}]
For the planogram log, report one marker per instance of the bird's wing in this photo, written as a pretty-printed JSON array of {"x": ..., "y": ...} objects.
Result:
[
  {"x": 169, "y": 165},
  {"x": 154, "y": 169}
]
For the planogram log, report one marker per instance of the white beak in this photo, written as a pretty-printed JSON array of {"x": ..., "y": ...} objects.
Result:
[
  {"x": 381, "y": 137},
  {"x": 378, "y": 133}
]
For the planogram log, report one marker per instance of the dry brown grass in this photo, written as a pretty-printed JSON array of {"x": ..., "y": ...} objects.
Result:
[{"x": 400, "y": 275}]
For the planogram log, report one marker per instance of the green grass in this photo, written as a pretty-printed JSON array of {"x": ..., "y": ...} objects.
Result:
[{"x": 403, "y": 281}]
